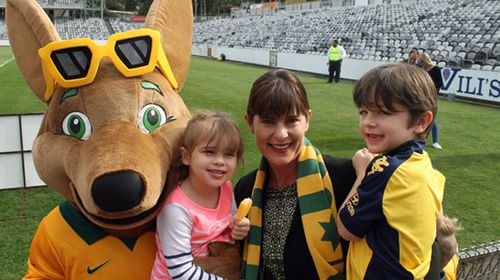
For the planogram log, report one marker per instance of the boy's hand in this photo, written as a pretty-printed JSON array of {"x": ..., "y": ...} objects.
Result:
[
  {"x": 360, "y": 161},
  {"x": 240, "y": 228}
]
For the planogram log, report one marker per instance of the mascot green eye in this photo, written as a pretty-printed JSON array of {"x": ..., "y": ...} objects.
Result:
[
  {"x": 77, "y": 125},
  {"x": 151, "y": 117}
]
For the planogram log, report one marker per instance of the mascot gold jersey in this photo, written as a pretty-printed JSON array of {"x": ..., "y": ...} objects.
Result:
[{"x": 113, "y": 121}]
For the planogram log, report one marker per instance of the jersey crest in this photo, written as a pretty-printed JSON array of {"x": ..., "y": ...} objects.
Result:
[{"x": 379, "y": 165}]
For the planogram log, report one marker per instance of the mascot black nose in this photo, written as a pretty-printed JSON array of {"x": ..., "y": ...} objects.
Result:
[{"x": 118, "y": 191}]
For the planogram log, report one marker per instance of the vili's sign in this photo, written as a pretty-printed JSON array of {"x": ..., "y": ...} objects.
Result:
[{"x": 473, "y": 84}]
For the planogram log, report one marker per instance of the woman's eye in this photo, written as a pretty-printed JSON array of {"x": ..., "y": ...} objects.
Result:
[
  {"x": 151, "y": 117},
  {"x": 77, "y": 125}
]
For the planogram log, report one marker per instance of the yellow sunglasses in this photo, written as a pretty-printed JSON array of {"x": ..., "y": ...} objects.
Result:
[{"x": 74, "y": 63}]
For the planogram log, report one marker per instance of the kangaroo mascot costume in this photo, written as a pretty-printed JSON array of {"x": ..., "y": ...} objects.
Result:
[{"x": 113, "y": 123}]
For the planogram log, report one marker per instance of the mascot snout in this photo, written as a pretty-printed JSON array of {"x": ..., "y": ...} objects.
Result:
[
  {"x": 118, "y": 191},
  {"x": 119, "y": 179}
]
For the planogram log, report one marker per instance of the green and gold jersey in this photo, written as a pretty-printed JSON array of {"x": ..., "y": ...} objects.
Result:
[
  {"x": 67, "y": 246},
  {"x": 394, "y": 212}
]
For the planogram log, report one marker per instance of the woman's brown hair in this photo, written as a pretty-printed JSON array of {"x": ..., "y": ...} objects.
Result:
[{"x": 277, "y": 93}]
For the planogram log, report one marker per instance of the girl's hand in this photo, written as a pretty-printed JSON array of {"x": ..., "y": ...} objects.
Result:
[
  {"x": 239, "y": 228},
  {"x": 360, "y": 161}
]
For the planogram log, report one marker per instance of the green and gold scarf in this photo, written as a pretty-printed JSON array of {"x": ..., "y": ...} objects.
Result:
[{"x": 317, "y": 208}]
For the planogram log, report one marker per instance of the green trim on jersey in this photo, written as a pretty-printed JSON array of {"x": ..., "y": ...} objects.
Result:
[{"x": 87, "y": 231}]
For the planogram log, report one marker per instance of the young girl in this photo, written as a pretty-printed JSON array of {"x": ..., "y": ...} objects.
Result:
[{"x": 200, "y": 208}]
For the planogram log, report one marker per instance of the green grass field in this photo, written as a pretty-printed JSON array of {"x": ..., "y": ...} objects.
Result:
[{"x": 470, "y": 135}]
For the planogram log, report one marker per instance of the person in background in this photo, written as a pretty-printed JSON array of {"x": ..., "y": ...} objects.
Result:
[
  {"x": 412, "y": 57},
  {"x": 296, "y": 190},
  {"x": 335, "y": 55},
  {"x": 434, "y": 71},
  {"x": 387, "y": 240},
  {"x": 201, "y": 207}
]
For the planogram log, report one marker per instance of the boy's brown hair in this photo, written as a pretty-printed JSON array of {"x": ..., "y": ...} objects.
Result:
[
  {"x": 390, "y": 84},
  {"x": 448, "y": 246},
  {"x": 277, "y": 93},
  {"x": 212, "y": 127}
]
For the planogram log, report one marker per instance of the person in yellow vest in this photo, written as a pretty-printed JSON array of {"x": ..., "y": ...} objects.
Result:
[{"x": 335, "y": 55}]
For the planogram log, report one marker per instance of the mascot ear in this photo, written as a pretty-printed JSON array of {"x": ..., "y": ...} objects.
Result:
[
  {"x": 174, "y": 20},
  {"x": 29, "y": 29}
]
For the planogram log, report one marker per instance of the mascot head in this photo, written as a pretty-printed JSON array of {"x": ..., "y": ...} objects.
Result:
[{"x": 114, "y": 115}]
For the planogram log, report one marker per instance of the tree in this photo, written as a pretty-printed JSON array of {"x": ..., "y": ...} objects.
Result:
[
  {"x": 204, "y": 7},
  {"x": 131, "y": 5},
  {"x": 144, "y": 7},
  {"x": 114, "y": 5},
  {"x": 218, "y": 7}
]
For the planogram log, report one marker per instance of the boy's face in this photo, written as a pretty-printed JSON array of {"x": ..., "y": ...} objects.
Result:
[{"x": 385, "y": 130}]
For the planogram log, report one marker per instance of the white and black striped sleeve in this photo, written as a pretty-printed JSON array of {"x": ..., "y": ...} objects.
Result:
[{"x": 174, "y": 226}]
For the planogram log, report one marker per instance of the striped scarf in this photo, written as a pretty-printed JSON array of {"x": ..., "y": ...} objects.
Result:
[{"x": 317, "y": 208}]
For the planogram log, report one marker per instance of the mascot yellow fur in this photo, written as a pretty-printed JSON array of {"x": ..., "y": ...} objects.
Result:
[{"x": 112, "y": 125}]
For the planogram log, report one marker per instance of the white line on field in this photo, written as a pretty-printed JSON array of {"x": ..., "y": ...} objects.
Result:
[{"x": 6, "y": 62}]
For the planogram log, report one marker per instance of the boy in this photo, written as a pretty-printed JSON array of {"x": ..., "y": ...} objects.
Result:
[{"x": 390, "y": 214}]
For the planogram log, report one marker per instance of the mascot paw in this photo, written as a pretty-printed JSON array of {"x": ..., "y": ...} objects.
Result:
[{"x": 224, "y": 260}]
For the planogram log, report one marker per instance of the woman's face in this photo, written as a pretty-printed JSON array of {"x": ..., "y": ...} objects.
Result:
[{"x": 279, "y": 139}]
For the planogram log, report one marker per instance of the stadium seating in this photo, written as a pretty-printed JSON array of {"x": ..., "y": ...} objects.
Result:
[
  {"x": 470, "y": 30},
  {"x": 58, "y": 4},
  {"x": 455, "y": 62},
  {"x": 120, "y": 25},
  {"x": 496, "y": 51},
  {"x": 475, "y": 67},
  {"x": 93, "y": 28},
  {"x": 467, "y": 63},
  {"x": 74, "y": 4},
  {"x": 487, "y": 67},
  {"x": 455, "y": 33},
  {"x": 3, "y": 30}
]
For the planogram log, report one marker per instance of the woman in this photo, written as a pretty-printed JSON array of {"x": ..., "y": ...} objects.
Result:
[
  {"x": 434, "y": 71},
  {"x": 293, "y": 233}
]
